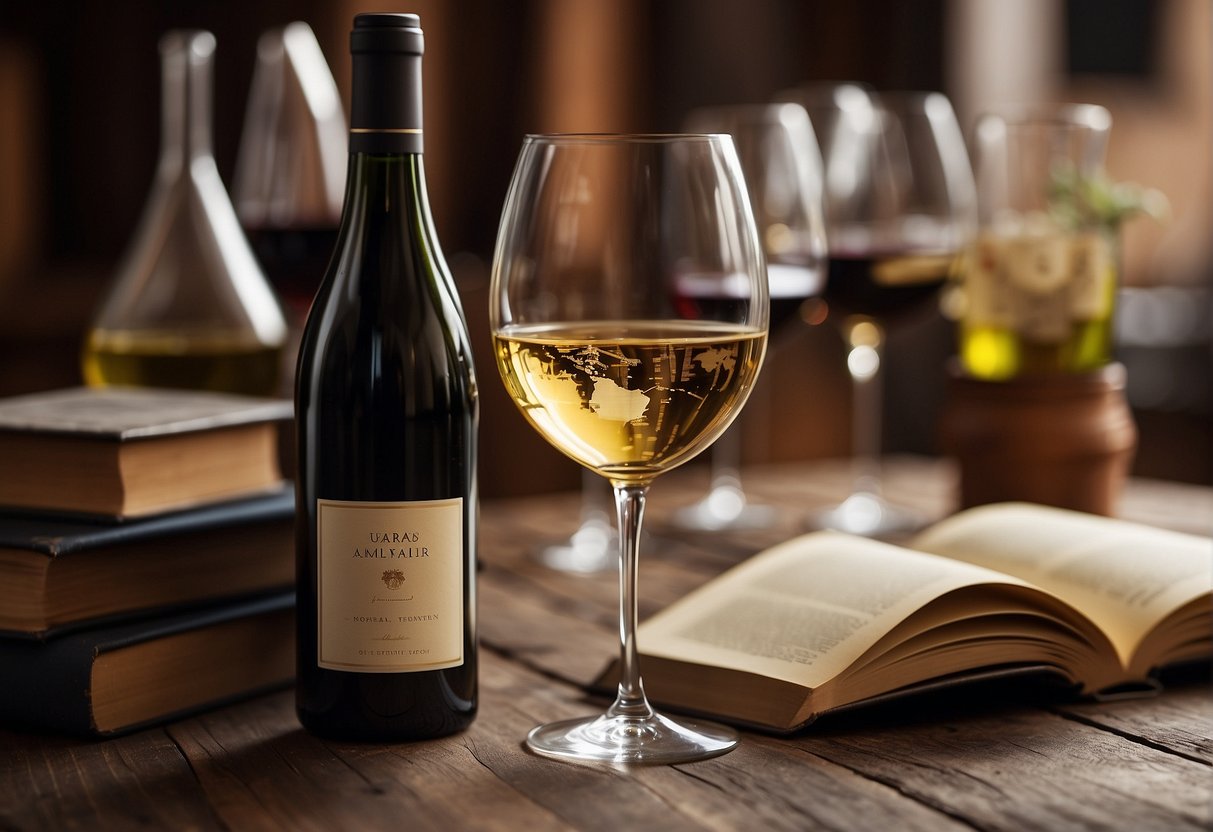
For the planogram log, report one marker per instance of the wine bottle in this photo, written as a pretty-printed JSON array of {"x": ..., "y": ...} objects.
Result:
[{"x": 386, "y": 408}]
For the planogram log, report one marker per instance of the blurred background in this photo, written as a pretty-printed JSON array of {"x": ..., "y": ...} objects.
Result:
[{"x": 79, "y": 141}]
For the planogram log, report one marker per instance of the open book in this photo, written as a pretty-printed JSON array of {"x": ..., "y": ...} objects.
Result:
[{"x": 826, "y": 620}]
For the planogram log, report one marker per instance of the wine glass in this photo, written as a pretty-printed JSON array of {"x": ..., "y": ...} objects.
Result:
[
  {"x": 900, "y": 204},
  {"x": 782, "y": 167},
  {"x": 603, "y": 357},
  {"x": 594, "y": 547}
]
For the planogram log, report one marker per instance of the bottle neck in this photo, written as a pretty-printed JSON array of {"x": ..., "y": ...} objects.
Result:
[
  {"x": 187, "y": 58},
  {"x": 385, "y": 194}
]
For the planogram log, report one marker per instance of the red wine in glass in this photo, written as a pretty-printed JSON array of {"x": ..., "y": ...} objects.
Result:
[
  {"x": 885, "y": 284},
  {"x": 710, "y": 296},
  {"x": 294, "y": 259}
]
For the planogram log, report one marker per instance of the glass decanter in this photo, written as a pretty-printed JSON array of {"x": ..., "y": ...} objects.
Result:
[
  {"x": 189, "y": 306},
  {"x": 290, "y": 167}
]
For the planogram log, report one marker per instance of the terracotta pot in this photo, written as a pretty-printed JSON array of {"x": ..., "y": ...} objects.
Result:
[{"x": 1063, "y": 440}]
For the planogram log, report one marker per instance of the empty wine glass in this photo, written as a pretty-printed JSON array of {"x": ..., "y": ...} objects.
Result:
[
  {"x": 900, "y": 203},
  {"x": 600, "y": 351},
  {"x": 782, "y": 167}
]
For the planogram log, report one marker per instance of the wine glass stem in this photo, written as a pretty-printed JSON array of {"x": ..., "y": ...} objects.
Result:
[
  {"x": 725, "y": 458},
  {"x": 594, "y": 503},
  {"x": 630, "y": 701},
  {"x": 864, "y": 362}
]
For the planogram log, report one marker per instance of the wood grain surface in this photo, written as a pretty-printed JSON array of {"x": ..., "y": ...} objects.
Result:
[{"x": 984, "y": 758}]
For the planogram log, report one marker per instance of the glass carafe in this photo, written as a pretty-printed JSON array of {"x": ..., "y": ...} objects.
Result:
[
  {"x": 189, "y": 306},
  {"x": 1038, "y": 283},
  {"x": 290, "y": 169}
]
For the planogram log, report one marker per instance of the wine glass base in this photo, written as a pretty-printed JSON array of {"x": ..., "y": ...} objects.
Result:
[
  {"x": 592, "y": 549},
  {"x": 868, "y": 515},
  {"x": 656, "y": 739},
  {"x": 723, "y": 509}
]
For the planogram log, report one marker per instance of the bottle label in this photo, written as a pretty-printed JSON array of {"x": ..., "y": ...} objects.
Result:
[{"x": 390, "y": 593}]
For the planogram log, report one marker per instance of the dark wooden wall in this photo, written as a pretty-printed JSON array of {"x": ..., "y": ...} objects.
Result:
[{"x": 79, "y": 133}]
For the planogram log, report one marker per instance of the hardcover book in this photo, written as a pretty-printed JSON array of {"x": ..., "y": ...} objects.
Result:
[
  {"x": 127, "y": 452},
  {"x": 827, "y": 621},
  {"x": 58, "y": 573},
  {"x": 113, "y": 680}
]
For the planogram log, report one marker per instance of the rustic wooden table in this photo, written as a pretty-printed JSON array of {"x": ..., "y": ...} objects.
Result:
[{"x": 984, "y": 758}]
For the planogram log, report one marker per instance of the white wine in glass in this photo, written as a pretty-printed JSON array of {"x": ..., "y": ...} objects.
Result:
[{"x": 604, "y": 361}]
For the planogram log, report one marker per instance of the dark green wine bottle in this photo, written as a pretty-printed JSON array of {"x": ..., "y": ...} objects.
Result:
[{"x": 386, "y": 410}]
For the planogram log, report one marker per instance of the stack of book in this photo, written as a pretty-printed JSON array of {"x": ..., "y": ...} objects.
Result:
[{"x": 146, "y": 556}]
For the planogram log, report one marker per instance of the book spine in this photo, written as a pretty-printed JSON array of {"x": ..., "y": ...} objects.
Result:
[{"x": 47, "y": 686}]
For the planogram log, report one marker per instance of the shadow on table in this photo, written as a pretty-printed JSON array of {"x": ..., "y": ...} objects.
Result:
[{"x": 986, "y": 699}]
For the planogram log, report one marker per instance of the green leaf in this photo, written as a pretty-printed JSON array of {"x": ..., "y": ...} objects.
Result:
[{"x": 1077, "y": 200}]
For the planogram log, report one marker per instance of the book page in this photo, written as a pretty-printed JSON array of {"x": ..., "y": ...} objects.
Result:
[
  {"x": 1124, "y": 576},
  {"x": 806, "y": 609}
]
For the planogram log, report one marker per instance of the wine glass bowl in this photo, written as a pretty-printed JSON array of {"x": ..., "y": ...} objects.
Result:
[
  {"x": 894, "y": 237},
  {"x": 598, "y": 348},
  {"x": 586, "y": 306},
  {"x": 625, "y": 397}
]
